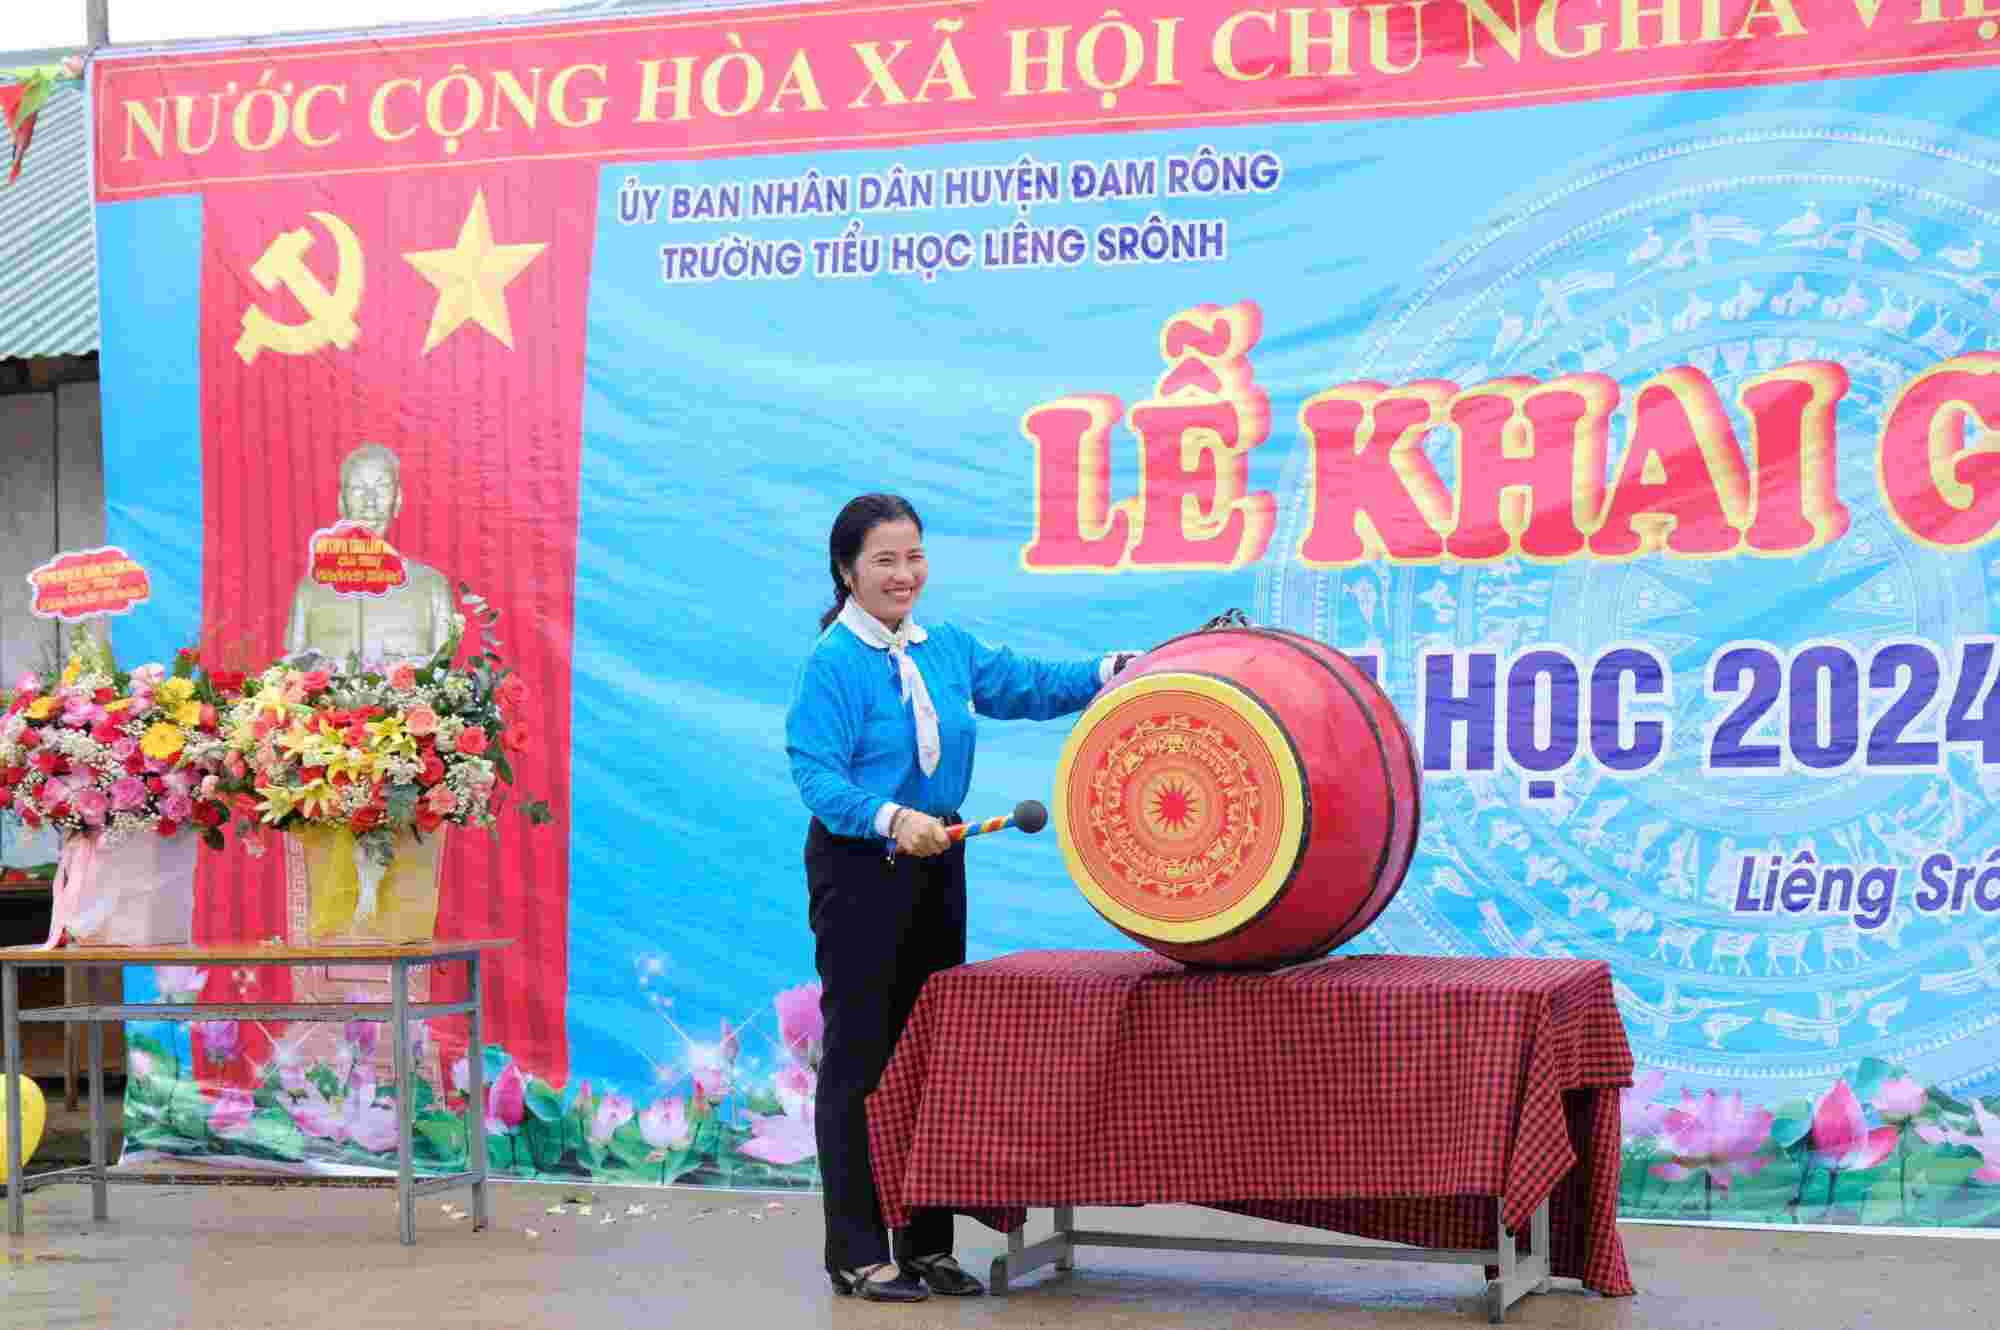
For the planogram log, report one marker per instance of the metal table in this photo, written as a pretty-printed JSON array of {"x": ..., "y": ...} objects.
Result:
[
  {"x": 399, "y": 1011},
  {"x": 1518, "y": 1275}
]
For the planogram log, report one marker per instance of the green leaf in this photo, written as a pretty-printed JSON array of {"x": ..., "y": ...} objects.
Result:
[
  {"x": 1884, "y": 1202},
  {"x": 324, "y": 1080},
  {"x": 543, "y": 1102},
  {"x": 500, "y": 762},
  {"x": 495, "y": 1061},
  {"x": 440, "y": 1137},
  {"x": 401, "y": 800},
  {"x": 537, "y": 812},
  {"x": 1945, "y": 1167},
  {"x": 1868, "y": 1078},
  {"x": 187, "y": 1115},
  {"x": 273, "y": 1132},
  {"x": 1791, "y": 1122},
  {"x": 629, "y": 1144}
]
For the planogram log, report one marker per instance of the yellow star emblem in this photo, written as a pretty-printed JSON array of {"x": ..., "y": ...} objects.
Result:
[{"x": 471, "y": 278}]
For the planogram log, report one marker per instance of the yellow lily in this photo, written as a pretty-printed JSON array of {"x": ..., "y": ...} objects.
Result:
[
  {"x": 317, "y": 799},
  {"x": 350, "y": 762},
  {"x": 41, "y": 708},
  {"x": 298, "y": 740},
  {"x": 279, "y": 800},
  {"x": 174, "y": 691},
  {"x": 390, "y": 737}
]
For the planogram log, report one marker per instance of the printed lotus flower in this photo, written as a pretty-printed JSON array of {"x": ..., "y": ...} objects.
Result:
[
  {"x": 506, "y": 1100},
  {"x": 354, "y": 1116},
  {"x": 795, "y": 1087},
  {"x": 613, "y": 1112},
  {"x": 1987, "y": 1142},
  {"x": 220, "y": 1040},
  {"x": 665, "y": 1126},
  {"x": 1841, "y": 1138},
  {"x": 801, "y": 1026},
  {"x": 783, "y": 1138},
  {"x": 1899, "y": 1100},
  {"x": 362, "y": 1037},
  {"x": 1715, "y": 1136},
  {"x": 230, "y": 1113},
  {"x": 1638, "y": 1114},
  {"x": 179, "y": 983}
]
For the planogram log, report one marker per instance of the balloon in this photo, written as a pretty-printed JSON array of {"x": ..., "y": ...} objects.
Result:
[{"x": 34, "y": 1113}]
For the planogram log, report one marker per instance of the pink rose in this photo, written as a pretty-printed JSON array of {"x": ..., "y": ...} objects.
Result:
[
  {"x": 441, "y": 800},
  {"x": 209, "y": 784},
  {"x": 403, "y": 676},
  {"x": 124, "y": 749},
  {"x": 178, "y": 807},
  {"x": 182, "y": 780},
  {"x": 128, "y": 793},
  {"x": 91, "y": 805},
  {"x": 472, "y": 740},
  {"x": 315, "y": 681},
  {"x": 420, "y": 720}
]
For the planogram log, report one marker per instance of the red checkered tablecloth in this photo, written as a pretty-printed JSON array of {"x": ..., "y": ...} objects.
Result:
[{"x": 1387, "y": 1097}]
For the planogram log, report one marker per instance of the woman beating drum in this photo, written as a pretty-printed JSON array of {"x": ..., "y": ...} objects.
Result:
[{"x": 881, "y": 735}]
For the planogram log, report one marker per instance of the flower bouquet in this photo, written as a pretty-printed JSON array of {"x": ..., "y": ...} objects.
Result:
[
  {"x": 361, "y": 765},
  {"x": 124, "y": 766}
]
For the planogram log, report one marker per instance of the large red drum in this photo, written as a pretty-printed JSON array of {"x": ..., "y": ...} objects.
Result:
[{"x": 1241, "y": 798}]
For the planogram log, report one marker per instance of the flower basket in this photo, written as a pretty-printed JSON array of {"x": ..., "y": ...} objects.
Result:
[
  {"x": 336, "y": 890},
  {"x": 134, "y": 891}
]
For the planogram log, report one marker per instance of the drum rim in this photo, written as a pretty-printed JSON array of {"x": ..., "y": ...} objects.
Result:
[{"x": 1254, "y": 904}]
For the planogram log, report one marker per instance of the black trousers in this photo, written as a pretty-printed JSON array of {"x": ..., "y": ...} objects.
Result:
[{"x": 880, "y": 928}]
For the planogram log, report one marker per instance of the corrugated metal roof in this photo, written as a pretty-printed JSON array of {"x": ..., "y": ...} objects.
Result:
[{"x": 48, "y": 266}]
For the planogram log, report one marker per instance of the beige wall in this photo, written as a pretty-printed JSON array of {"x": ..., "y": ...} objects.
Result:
[{"x": 51, "y": 498}]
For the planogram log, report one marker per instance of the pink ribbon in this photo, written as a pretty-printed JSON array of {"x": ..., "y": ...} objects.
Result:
[{"x": 76, "y": 873}]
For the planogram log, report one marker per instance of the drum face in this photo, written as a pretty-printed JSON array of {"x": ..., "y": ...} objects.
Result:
[{"x": 1240, "y": 798}]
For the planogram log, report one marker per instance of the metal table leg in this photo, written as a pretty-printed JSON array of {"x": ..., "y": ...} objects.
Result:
[
  {"x": 475, "y": 1086},
  {"x": 69, "y": 1040},
  {"x": 100, "y": 1200},
  {"x": 399, "y": 1016},
  {"x": 10, "y": 1013}
]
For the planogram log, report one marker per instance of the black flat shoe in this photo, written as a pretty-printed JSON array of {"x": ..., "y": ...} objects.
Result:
[
  {"x": 861, "y": 1283},
  {"x": 945, "y": 1276}
]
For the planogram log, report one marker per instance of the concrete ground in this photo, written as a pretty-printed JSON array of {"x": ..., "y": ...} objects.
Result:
[{"x": 251, "y": 1258}]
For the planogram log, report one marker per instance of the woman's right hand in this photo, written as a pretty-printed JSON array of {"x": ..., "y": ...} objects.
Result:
[{"x": 920, "y": 834}]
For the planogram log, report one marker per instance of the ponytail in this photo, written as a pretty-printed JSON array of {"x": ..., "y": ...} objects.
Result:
[{"x": 839, "y": 600}]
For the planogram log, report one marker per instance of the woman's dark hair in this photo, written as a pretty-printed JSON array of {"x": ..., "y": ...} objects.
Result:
[{"x": 850, "y": 532}]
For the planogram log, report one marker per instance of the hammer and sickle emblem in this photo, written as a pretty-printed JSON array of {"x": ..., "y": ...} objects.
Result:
[{"x": 330, "y": 320}]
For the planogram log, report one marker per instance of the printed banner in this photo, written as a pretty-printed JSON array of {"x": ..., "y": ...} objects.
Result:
[
  {"x": 81, "y": 584},
  {"x": 1620, "y": 385}
]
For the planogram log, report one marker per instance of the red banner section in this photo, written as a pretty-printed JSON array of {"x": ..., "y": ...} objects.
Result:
[
  {"x": 879, "y": 74},
  {"x": 348, "y": 559},
  {"x": 403, "y": 354},
  {"x": 83, "y": 583}
]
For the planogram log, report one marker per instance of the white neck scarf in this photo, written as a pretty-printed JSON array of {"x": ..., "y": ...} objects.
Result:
[{"x": 872, "y": 631}]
